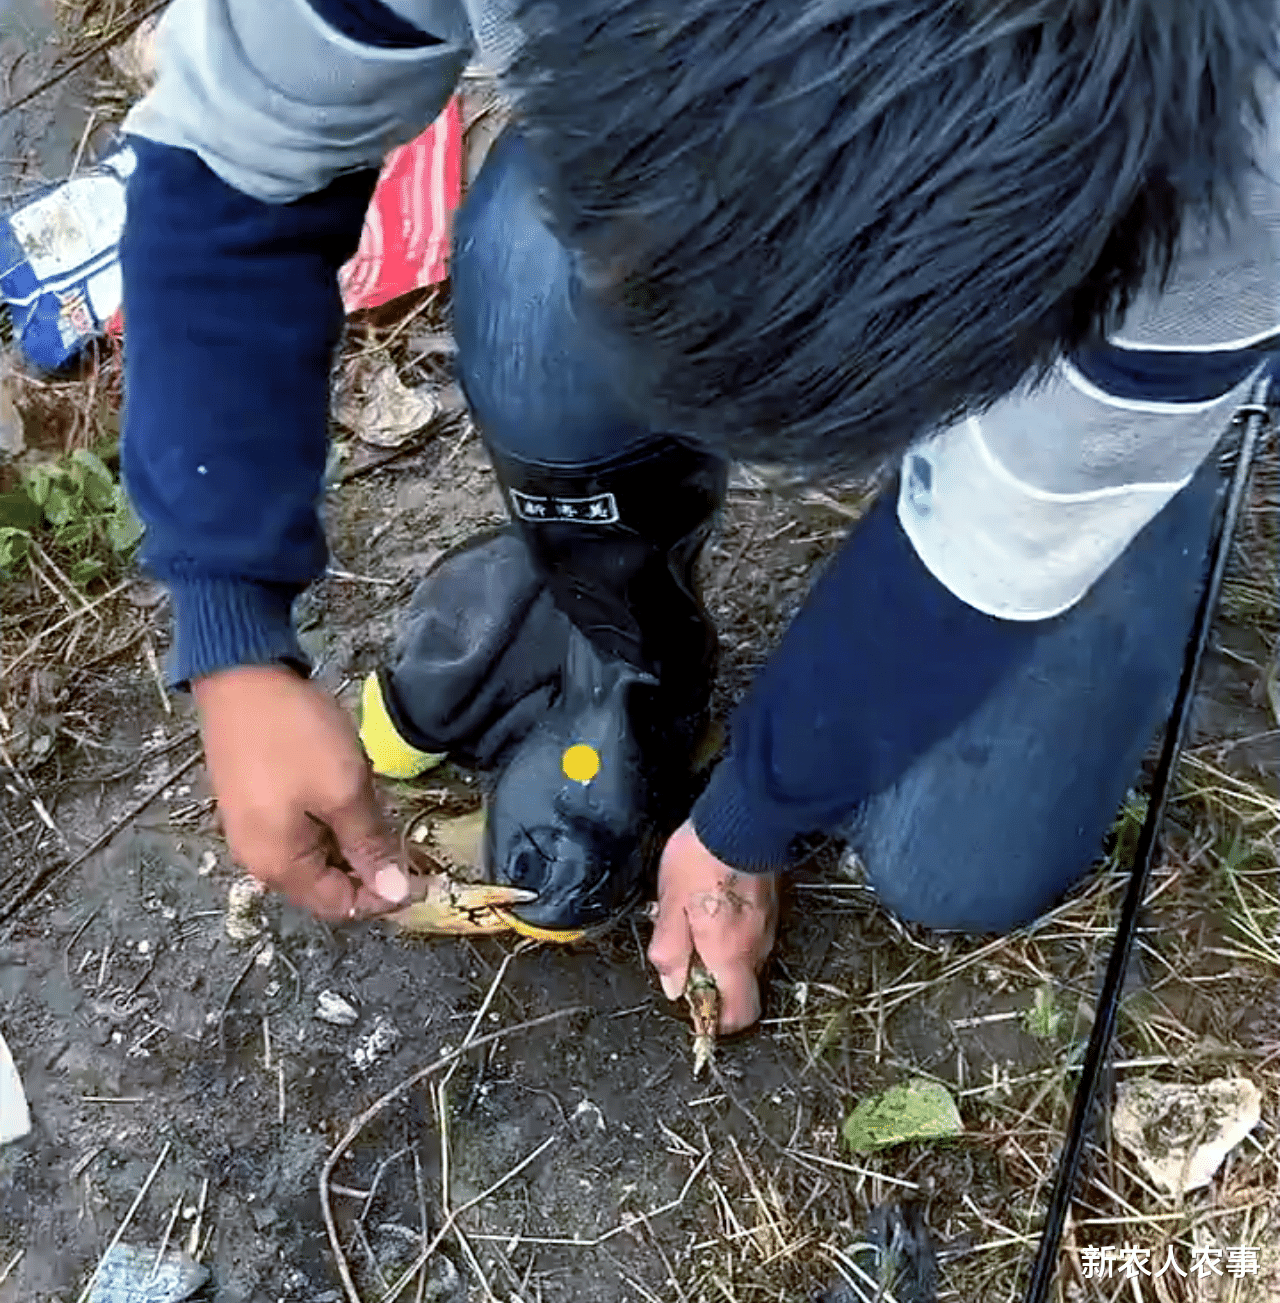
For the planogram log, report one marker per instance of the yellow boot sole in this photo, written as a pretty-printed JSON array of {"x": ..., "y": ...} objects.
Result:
[{"x": 390, "y": 754}]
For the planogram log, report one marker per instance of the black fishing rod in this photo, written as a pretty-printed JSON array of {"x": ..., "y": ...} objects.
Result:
[{"x": 1043, "y": 1270}]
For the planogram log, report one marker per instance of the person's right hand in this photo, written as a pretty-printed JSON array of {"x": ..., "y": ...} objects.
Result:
[
  {"x": 286, "y": 764},
  {"x": 728, "y": 917}
]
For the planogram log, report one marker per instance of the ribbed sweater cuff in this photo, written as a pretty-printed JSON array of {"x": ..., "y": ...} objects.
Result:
[
  {"x": 219, "y": 623},
  {"x": 733, "y": 831}
]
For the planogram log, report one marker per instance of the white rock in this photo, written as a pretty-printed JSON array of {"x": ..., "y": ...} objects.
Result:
[
  {"x": 332, "y": 1008},
  {"x": 378, "y": 1042},
  {"x": 15, "y": 1119},
  {"x": 1180, "y": 1134},
  {"x": 590, "y": 1109},
  {"x": 244, "y": 910}
]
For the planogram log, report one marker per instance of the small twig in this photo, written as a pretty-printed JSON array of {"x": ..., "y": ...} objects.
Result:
[
  {"x": 396, "y": 454},
  {"x": 83, "y": 1162},
  {"x": 563, "y": 1241},
  {"x": 129, "y": 25},
  {"x": 421, "y": 1260},
  {"x": 280, "y": 1095},
  {"x": 469, "y": 1254},
  {"x": 164, "y": 1243},
  {"x": 149, "y": 651},
  {"x": 244, "y": 972},
  {"x": 486, "y": 1002},
  {"x": 147, "y": 754},
  {"x": 744, "y": 1110},
  {"x": 359, "y": 1123},
  {"x": 10, "y": 1265},
  {"x": 373, "y": 1257},
  {"x": 77, "y": 595},
  {"x": 79, "y": 932},
  {"x": 80, "y": 148},
  {"x": 29, "y": 789},
  {"x": 43, "y": 883},
  {"x": 59, "y": 624},
  {"x": 377, "y": 1181},
  {"x": 423, "y": 1221},
  {"x": 672, "y": 1279},
  {"x": 128, "y": 1217},
  {"x": 332, "y": 573},
  {"x": 193, "y": 1240}
]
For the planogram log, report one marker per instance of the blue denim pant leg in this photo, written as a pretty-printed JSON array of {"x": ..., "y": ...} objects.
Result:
[
  {"x": 992, "y": 825},
  {"x": 538, "y": 366}
]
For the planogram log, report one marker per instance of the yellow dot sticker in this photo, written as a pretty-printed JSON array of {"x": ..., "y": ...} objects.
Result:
[{"x": 581, "y": 763}]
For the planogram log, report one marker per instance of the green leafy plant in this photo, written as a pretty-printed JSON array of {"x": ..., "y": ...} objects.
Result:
[
  {"x": 74, "y": 507},
  {"x": 1043, "y": 1019}
]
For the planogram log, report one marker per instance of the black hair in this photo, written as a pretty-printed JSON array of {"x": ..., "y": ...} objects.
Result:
[{"x": 830, "y": 225}]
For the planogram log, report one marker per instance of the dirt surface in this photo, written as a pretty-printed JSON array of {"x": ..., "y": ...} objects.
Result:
[
  {"x": 39, "y": 145},
  {"x": 138, "y": 1021}
]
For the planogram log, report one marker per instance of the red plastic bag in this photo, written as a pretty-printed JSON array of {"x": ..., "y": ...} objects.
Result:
[{"x": 405, "y": 241}]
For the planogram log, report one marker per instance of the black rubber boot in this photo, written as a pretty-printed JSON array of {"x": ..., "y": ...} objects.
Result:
[
  {"x": 480, "y": 655},
  {"x": 587, "y": 799}
]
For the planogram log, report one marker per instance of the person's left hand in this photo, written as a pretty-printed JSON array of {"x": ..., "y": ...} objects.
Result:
[{"x": 729, "y": 916}]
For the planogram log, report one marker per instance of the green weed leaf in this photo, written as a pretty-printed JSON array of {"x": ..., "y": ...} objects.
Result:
[
  {"x": 74, "y": 535},
  {"x": 99, "y": 486},
  {"x": 124, "y": 529},
  {"x": 60, "y": 505},
  {"x": 86, "y": 568},
  {"x": 37, "y": 482},
  {"x": 18, "y": 511},
  {"x": 918, "y": 1110},
  {"x": 13, "y": 546}
]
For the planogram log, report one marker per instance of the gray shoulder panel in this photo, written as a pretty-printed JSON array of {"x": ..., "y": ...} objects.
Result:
[{"x": 278, "y": 103}]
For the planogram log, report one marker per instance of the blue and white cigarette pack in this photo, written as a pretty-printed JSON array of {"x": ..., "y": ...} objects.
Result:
[{"x": 60, "y": 259}]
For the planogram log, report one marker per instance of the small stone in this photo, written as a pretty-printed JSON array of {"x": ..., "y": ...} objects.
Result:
[
  {"x": 15, "y": 1119},
  {"x": 244, "y": 919},
  {"x": 144, "y": 947},
  {"x": 332, "y": 1008},
  {"x": 376, "y": 1044},
  {"x": 208, "y": 862},
  {"x": 1181, "y": 1134},
  {"x": 131, "y": 1273}
]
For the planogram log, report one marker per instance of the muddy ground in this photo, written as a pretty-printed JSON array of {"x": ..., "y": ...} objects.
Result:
[
  {"x": 139, "y": 1022},
  {"x": 131, "y": 1012}
]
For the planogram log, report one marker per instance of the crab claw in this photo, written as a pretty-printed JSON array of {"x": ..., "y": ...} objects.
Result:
[
  {"x": 446, "y": 906},
  {"x": 703, "y": 997},
  {"x": 452, "y": 908}
]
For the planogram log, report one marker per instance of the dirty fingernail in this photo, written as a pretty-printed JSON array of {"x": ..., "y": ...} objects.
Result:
[{"x": 391, "y": 884}]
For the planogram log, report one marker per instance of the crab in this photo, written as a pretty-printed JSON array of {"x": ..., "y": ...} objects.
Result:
[{"x": 443, "y": 904}]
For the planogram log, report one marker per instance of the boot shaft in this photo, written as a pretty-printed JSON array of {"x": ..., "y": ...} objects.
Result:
[{"x": 618, "y": 544}]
